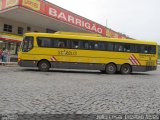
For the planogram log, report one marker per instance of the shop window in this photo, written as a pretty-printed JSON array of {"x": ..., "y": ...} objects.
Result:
[
  {"x": 20, "y": 30},
  {"x": 7, "y": 28},
  {"x": 28, "y": 28}
]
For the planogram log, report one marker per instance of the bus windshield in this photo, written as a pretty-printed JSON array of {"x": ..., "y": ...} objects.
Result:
[{"x": 27, "y": 44}]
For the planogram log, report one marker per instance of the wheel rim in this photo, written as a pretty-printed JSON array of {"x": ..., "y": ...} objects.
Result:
[
  {"x": 111, "y": 69},
  {"x": 43, "y": 65},
  {"x": 125, "y": 69}
]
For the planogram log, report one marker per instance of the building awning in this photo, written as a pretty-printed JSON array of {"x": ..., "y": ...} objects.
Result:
[{"x": 10, "y": 37}]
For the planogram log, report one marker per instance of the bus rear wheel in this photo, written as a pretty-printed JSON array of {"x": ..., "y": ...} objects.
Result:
[
  {"x": 111, "y": 68},
  {"x": 44, "y": 66},
  {"x": 126, "y": 69}
]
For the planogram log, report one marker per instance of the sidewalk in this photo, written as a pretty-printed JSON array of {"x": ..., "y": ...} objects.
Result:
[
  {"x": 13, "y": 61},
  {"x": 14, "y": 58},
  {"x": 8, "y": 63}
]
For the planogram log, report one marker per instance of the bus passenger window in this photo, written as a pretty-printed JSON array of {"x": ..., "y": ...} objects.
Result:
[
  {"x": 119, "y": 47},
  {"x": 128, "y": 48},
  {"x": 91, "y": 45},
  {"x": 96, "y": 46},
  {"x": 102, "y": 46},
  {"x": 144, "y": 49},
  {"x": 44, "y": 42},
  {"x": 110, "y": 46},
  {"x": 61, "y": 44},
  {"x": 75, "y": 44},
  {"x": 85, "y": 45},
  {"x": 137, "y": 48},
  {"x": 39, "y": 42},
  {"x": 152, "y": 49}
]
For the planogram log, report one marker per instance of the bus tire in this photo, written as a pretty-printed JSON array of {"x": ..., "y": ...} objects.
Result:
[
  {"x": 111, "y": 68},
  {"x": 126, "y": 69},
  {"x": 43, "y": 66}
]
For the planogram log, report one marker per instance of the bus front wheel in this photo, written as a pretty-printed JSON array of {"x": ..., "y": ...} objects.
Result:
[
  {"x": 126, "y": 69},
  {"x": 44, "y": 66},
  {"x": 111, "y": 68}
]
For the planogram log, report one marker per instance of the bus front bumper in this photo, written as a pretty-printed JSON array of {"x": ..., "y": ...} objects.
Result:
[{"x": 27, "y": 63}]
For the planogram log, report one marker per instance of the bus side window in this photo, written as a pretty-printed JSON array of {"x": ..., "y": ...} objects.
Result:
[
  {"x": 39, "y": 42},
  {"x": 152, "y": 49},
  {"x": 110, "y": 46},
  {"x": 137, "y": 48},
  {"x": 44, "y": 42},
  {"x": 119, "y": 47},
  {"x": 102, "y": 46},
  {"x": 144, "y": 49},
  {"x": 131, "y": 47},
  {"x": 62, "y": 43},
  {"x": 47, "y": 42},
  {"x": 96, "y": 46},
  {"x": 91, "y": 45},
  {"x": 85, "y": 44},
  {"x": 75, "y": 44},
  {"x": 128, "y": 47}
]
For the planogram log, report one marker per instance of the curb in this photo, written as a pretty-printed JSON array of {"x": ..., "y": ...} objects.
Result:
[{"x": 8, "y": 64}]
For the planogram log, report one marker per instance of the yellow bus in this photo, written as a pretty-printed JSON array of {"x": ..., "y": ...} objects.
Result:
[{"x": 87, "y": 51}]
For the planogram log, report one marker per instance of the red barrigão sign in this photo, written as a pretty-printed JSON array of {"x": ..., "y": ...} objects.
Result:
[{"x": 68, "y": 17}]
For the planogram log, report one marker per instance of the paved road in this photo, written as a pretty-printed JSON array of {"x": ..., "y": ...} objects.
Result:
[{"x": 63, "y": 91}]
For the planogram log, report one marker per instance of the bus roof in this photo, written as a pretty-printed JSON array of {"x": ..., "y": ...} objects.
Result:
[
  {"x": 78, "y": 33},
  {"x": 87, "y": 36}
]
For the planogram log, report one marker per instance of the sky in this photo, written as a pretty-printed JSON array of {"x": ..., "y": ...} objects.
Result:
[{"x": 139, "y": 19}]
